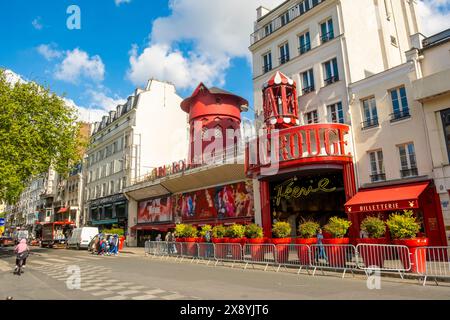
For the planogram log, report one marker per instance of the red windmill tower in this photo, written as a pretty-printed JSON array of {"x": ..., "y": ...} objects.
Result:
[{"x": 280, "y": 102}]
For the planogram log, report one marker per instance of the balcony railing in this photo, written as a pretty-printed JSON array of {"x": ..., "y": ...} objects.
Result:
[
  {"x": 277, "y": 23},
  {"x": 308, "y": 89},
  {"x": 378, "y": 177},
  {"x": 411, "y": 172},
  {"x": 304, "y": 48},
  {"x": 331, "y": 80},
  {"x": 369, "y": 123},
  {"x": 284, "y": 59},
  {"x": 400, "y": 115},
  {"x": 327, "y": 36},
  {"x": 267, "y": 68}
]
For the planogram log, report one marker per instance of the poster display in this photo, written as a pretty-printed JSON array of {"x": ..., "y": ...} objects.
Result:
[
  {"x": 229, "y": 201},
  {"x": 155, "y": 210}
]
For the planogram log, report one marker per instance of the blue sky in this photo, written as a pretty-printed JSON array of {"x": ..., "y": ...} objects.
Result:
[{"x": 122, "y": 43}]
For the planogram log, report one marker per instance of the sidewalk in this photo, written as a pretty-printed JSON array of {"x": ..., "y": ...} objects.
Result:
[{"x": 133, "y": 251}]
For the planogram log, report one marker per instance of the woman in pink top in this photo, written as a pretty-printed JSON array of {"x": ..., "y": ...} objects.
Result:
[{"x": 21, "y": 251}]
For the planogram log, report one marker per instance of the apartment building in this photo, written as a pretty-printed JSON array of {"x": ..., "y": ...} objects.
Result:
[
  {"x": 149, "y": 129},
  {"x": 326, "y": 45}
]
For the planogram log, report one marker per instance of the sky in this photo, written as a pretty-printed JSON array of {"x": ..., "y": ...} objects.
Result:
[{"x": 97, "y": 61}]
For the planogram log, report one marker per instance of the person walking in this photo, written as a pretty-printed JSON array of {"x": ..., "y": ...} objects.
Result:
[
  {"x": 321, "y": 254},
  {"x": 115, "y": 245},
  {"x": 209, "y": 246},
  {"x": 22, "y": 252}
]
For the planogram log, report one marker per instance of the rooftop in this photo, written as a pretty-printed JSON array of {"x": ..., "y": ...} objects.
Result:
[{"x": 436, "y": 39}]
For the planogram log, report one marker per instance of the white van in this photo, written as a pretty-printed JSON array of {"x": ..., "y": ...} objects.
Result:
[{"x": 81, "y": 237}]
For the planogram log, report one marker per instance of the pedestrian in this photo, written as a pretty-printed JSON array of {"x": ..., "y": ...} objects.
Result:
[
  {"x": 115, "y": 245},
  {"x": 322, "y": 254},
  {"x": 22, "y": 252},
  {"x": 209, "y": 248},
  {"x": 158, "y": 237},
  {"x": 170, "y": 245}
]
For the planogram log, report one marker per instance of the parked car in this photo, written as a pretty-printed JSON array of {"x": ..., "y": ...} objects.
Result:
[{"x": 82, "y": 237}]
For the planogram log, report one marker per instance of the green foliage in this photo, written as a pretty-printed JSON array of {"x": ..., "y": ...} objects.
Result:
[
  {"x": 37, "y": 131},
  {"x": 235, "y": 231},
  {"x": 120, "y": 232},
  {"x": 375, "y": 227},
  {"x": 186, "y": 231},
  {"x": 338, "y": 227},
  {"x": 281, "y": 229},
  {"x": 403, "y": 226},
  {"x": 218, "y": 231},
  {"x": 253, "y": 231},
  {"x": 206, "y": 228},
  {"x": 308, "y": 229}
]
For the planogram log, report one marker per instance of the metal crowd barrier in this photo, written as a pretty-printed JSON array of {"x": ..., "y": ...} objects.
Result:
[
  {"x": 432, "y": 262},
  {"x": 264, "y": 254},
  {"x": 333, "y": 256},
  {"x": 205, "y": 252},
  {"x": 293, "y": 255},
  {"x": 384, "y": 257},
  {"x": 230, "y": 252}
]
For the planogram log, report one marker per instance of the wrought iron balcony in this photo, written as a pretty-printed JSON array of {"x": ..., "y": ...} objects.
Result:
[
  {"x": 284, "y": 59},
  {"x": 305, "y": 48},
  {"x": 400, "y": 115},
  {"x": 369, "y": 123},
  {"x": 331, "y": 80},
  {"x": 377, "y": 177},
  {"x": 267, "y": 68},
  {"x": 411, "y": 172},
  {"x": 327, "y": 36},
  {"x": 308, "y": 89}
]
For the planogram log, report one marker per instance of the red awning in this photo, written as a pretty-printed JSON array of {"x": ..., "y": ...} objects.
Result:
[
  {"x": 62, "y": 210},
  {"x": 387, "y": 198}
]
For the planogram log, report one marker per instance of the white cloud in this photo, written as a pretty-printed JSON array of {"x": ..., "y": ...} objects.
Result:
[
  {"x": 77, "y": 64},
  {"x": 49, "y": 51},
  {"x": 99, "y": 100},
  {"x": 218, "y": 31},
  {"x": 13, "y": 78},
  {"x": 434, "y": 16},
  {"x": 119, "y": 2},
  {"x": 37, "y": 23}
]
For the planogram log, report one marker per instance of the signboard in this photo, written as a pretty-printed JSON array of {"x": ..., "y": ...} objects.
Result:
[
  {"x": 229, "y": 201},
  {"x": 155, "y": 210}
]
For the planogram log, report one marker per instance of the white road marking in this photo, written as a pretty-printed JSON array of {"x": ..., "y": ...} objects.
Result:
[
  {"x": 155, "y": 291},
  {"x": 173, "y": 297},
  {"x": 129, "y": 292},
  {"x": 146, "y": 297},
  {"x": 103, "y": 293}
]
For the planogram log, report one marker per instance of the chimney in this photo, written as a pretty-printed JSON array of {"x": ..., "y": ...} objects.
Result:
[
  {"x": 417, "y": 41},
  {"x": 261, "y": 11}
]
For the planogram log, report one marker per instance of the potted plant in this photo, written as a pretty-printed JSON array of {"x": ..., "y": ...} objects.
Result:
[
  {"x": 404, "y": 229},
  {"x": 255, "y": 238},
  {"x": 187, "y": 234},
  {"x": 281, "y": 238},
  {"x": 202, "y": 247},
  {"x": 336, "y": 248},
  {"x": 372, "y": 254},
  {"x": 179, "y": 232},
  {"x": 218, "y": 234},
  {"x": 236, "y": 233},
  {"x": 307, "y": 231}
]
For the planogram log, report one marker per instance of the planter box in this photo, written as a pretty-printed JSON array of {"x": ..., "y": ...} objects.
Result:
[
  {"x": 413, "y": 244},
  {"x": 281, "y": 249},
  {"x": 336, "y": 251},
  {"x": 257, "y": 249},
  {"x": 303, "y": 251},
  {"x": 372, "y": 255}
]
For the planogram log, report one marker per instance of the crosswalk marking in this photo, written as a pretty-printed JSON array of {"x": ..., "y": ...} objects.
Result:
[
  {"x": 57, "y": 260},
  {"x": 156, "y": 291},
  {"x": 172, "y": 297},
  {"x": 44, "y": 263}
]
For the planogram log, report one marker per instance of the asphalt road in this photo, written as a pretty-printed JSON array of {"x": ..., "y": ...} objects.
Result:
[{"x": 56, "y": 274}]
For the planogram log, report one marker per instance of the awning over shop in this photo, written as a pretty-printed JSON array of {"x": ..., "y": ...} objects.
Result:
[
  {"x": 62, "y": 210},
  {"x": 400, "y": 197},
  {"x": 156, "y": 227}
]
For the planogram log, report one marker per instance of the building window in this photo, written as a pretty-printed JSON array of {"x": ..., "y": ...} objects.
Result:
[
  {"x": 284, "y": 18},
  {"x": 307, "y": 78},
  {"x": 408, "y": 160},
  {"x": 111, "y": 187},
  {"x": 104, "y": 190},
  {"x": 305, "y": 43},
  {"x": 327, "y": 30},
  {"x": 311, "y": 117},
  {"x": 445, "y": 115},
  {"x": 268, "y": 29},
  {"x": 124, "y": 182},
  {"x": 335, "y": 113},
  {"x": 284, "y": 53},
  {"x": 394, "y": 41},
  {"x": 267, "y": 62},
  {"x": 377, "y": 166},
  {"x": 331, "y": 73},
  {"x": 399, "y": 104},
  {"x": 370, "y": 115}
]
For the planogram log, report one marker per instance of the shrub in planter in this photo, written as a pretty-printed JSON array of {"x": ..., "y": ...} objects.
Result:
[
  {"x": 281, "y": 232},
  {"x": 307, "y": 231},
  {"x": 336, "y": 248},
  {"x": 179, "y": 231},
  {"x": 218, "y": 233},
  {"x": 203, "y": 231},
  {"x": 255, "y": 238},
  {"x": 236, "y": 233},
  {"x": 404, "y": 229},
  {"x": 188, "y": 234},
  {"x": 376, "y": 229}
]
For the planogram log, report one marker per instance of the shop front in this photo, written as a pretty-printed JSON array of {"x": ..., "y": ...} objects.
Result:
[
  {"x": 109, "y": 212},
  {"x": 304, "y": 173},
  {"x": 420, "y": 197}
]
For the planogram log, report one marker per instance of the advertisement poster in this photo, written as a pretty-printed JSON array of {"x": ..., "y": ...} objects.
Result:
[
  {"x": 155, "y": 210},
  {"x": 229, "y": 201}
]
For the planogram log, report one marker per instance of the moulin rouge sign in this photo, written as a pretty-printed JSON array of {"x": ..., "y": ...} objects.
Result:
[{"x": 309, "y": 143}]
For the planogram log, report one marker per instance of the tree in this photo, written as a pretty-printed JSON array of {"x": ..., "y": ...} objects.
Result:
[{"x": 37, "y": 131}]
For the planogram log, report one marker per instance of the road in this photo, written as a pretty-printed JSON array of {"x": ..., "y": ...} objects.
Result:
[{"x": 51, "y": 274}]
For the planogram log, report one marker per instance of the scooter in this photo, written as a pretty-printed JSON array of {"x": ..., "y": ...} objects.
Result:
[{"x": 19, "y": 267}]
